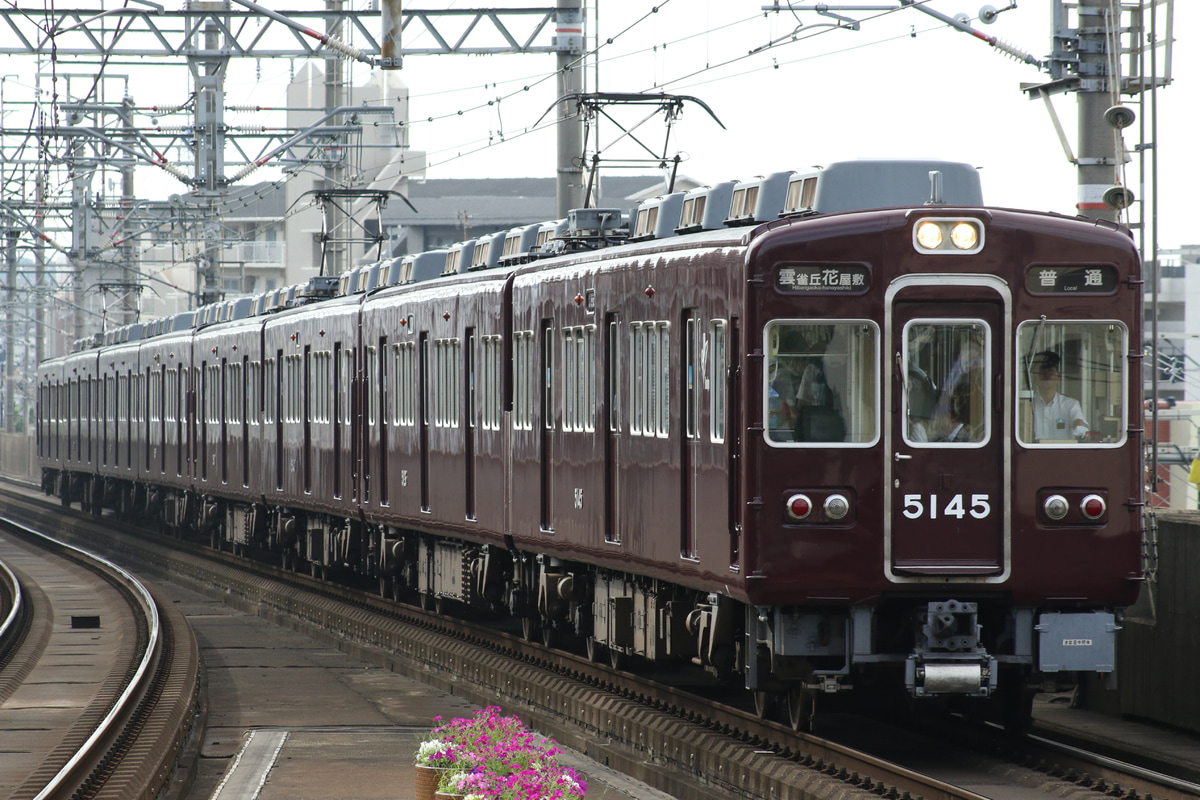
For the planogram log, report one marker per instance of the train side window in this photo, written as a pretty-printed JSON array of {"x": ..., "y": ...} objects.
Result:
[
  {"x": 490, "y": 383},
  {"x": 1071, "y": 383},
  {"x": 523, "y": 380},
  {"x": 255, "y": 407},
  {"x": 691, "y": 383},
  {"x": 372, "y": 376},
  {"x": 446, "y": 370},
  {"x": 650, "y": 379},
  {"x": 947, "y": 390},
  {"x": 548, "y": 377},
  {"x": 614, "y": 374},
  {"x": 579, "y": 378},
  {"x": 268, "y": 381},
  {"x": 821, "y": 383},
  {"x": 405, "y": 394},
  {"x": 716, "y": 381}
]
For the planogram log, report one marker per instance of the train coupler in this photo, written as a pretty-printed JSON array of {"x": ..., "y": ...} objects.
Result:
[
  {"x": 949, "y": 659},
  {"x": 975, "y": 676}
]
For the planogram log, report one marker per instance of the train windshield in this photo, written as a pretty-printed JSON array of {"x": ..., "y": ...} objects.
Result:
[
  {"x": 946, "y": 387},
  {"x": 822, "y": 382},
  {"x": 1071, "y": 383}
]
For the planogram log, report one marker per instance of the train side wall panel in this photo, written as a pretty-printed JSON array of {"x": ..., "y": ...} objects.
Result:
[{"x": 1158, "y": 663}]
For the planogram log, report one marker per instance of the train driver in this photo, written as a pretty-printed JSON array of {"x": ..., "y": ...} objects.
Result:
[{"x": 1055, "y": 416}]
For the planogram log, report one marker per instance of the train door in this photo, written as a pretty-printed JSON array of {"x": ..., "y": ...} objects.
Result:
[{"x": 948, "y": 432}]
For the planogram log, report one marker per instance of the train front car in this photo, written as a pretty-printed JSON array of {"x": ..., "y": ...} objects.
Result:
[{"x": 944, "y": 494}]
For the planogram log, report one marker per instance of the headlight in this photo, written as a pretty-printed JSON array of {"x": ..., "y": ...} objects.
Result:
[
  {"x": 964, "y": 235},
  {"x": 958, "y": 235},
  {"x": 929, "y": 235}
]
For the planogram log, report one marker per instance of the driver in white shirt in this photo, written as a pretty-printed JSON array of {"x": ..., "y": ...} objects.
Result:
[{"x": 1055, "y": 416}]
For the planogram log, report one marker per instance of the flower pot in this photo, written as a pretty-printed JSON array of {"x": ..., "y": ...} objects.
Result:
[
  {"x": 448, "y": 796},
  {"x": 426, "y": 782}
]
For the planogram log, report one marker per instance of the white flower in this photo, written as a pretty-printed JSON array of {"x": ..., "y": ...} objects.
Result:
[{"x": 429, "y": 749}]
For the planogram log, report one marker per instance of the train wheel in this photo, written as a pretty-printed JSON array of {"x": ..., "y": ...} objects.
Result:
[
  {"x": 426, "y": 601},
  {"x": 616, "y": 659},
  {"x": 799, "y": 708},
  {"x": 595, "y": 650},
  {"x": 384, "y": 588},
  {"x": 529, "y": 628},
  {"x": 764, "y": 704},
  {"x": 549, "y": 634}
]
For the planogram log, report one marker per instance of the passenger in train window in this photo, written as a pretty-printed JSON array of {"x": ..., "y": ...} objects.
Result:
[
  {"x": 788, "y": 376},
  {"x": 818, "y": 406},
  {"x": 1055, "y": 416},
  {"x": 922, "y": 398},
  {"x": 963, "y": 398}
]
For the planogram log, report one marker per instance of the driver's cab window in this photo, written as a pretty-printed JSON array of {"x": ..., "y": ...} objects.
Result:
[
  {"x": 822, "y": 383},
  {"x": 946, "y": 383},
  {"x": 1071, "y": 383}
]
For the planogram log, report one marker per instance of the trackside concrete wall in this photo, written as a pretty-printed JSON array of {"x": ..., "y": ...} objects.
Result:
[
  {"x": 18, "y": 457},
  {"x": 1158, "y": 648}
]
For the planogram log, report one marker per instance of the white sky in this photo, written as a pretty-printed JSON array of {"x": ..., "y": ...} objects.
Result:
[{"x": 832, "y": 94}]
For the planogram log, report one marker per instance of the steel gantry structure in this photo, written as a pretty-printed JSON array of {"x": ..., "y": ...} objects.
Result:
[{"x": 72, "y": 137}]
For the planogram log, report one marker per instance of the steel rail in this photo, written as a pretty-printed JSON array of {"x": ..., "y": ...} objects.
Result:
[
  {"x": 1150, "y": 781},
  {"x": 77, "y": 768},
  {"x": 11, "y": 624}
]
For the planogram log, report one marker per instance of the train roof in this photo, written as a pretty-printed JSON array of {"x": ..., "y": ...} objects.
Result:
[{"x": 839, "y": 187}]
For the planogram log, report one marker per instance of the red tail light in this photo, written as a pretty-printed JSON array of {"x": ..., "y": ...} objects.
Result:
[
  {"x": 1093, "y": 506},
  {"x": 799, "y": 506}
]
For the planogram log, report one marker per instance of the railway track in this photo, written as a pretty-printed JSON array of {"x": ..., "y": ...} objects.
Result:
[
  {"x": 123, "y": 675},
  {"x": 688, "y": 741}
]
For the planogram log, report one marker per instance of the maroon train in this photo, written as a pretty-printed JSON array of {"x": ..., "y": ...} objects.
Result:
[{"x": 824, "y": 431}]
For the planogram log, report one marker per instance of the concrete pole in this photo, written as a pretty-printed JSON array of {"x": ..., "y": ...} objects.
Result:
[
  {"x": 10, "y": 334},
  {"x": 130, "y": 285},
  {"x": 569, "y": 40},
  {"x": 336, "y": 261},
  {"x": 80, "y": 239},
  {"x": 39, "y": 260},
  {"x": 209, "y": 74},
  {"x": 1098, "y": 161}
]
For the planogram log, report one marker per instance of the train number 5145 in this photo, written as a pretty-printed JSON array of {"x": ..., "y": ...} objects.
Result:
[{"x": 916, "y": 505}]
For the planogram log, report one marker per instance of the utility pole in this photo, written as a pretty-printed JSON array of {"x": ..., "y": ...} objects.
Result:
[
  {"x": 10, "y": 334},
  {"x": 81, "y": 176},
  {"x": 569, "y": 40},
  {"x": 208, "y": 73},
  {"x": 39, "y": 260},
  {"x": 334, "y": 247},
  {"x": 1101, "y": 153},
  {"x": 130, "y": 285}
]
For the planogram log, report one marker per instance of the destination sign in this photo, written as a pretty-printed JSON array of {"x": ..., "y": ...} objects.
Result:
[
  {"x": 823, "y": 278},
  {"x": 1100, "y": 279}
]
